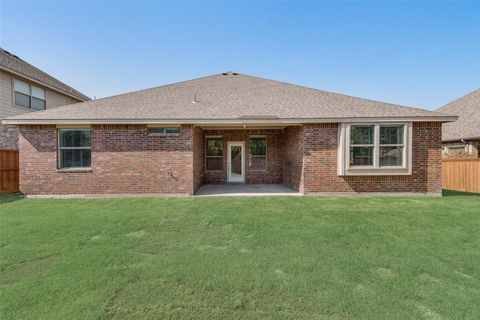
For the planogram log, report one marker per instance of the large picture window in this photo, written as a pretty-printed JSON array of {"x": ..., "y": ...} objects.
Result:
[
  {"x": 374, "y": 149},
  {"x": 213, "y": 153},
  {"x": 258, "y": 153},
  {"x": 28, "y": 96},
  {"x": 74, "y": 148}
]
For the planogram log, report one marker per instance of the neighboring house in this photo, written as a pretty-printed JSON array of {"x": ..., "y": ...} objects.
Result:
[
  {"x": 25, "y": 89},
  {"x": 462, "y": 138},
  {"x": 230, "y": 128}
]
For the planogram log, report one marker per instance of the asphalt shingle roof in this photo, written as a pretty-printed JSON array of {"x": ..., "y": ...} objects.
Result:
[
  {"x": 16, "y": 65},
  {"x": 229, "y": 96},
  {"x": 467, "y": 127}
]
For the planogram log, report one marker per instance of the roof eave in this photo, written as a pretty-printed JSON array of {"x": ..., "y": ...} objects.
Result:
[
  {"x": 461, "y": 139},
  {"x": 13, "y": 121}
]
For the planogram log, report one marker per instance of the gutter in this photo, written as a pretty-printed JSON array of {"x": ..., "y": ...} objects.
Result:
[{"x": 13, "y": 121}]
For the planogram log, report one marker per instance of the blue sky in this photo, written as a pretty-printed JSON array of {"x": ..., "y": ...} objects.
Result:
[{"x": 422, "y": 54}]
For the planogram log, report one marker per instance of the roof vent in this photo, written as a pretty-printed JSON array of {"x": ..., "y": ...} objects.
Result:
[
  {"x": 195, "y": 98},
  {"x": 229, "y": 73}
]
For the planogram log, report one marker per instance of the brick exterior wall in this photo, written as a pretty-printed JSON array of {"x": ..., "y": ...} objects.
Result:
[
  {"x": 198, "y": 157},
  {"x": 292, "y": 164},
  {"x": 273, "y": 173},
  {"x": 320, "y": 143},
  {"x": 125, "y": 159},
  {"x": 8, "y": 137}
]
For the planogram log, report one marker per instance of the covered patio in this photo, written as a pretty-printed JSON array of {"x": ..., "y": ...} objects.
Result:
[
  {"x": 246, "y": 160},
  {"x": 240, "y": 189}
]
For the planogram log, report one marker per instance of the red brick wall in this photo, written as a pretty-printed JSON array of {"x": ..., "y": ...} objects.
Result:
[
  {"x": 292, "y": 165},
  {"x": 320, "y": 158},
  {"x": 273, "y": 174},
  {"x": 198, "y": 157},
  {"x": 125, "y": 159}
]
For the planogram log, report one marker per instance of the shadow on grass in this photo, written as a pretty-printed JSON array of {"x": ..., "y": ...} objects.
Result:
[
  {"x": 450, "y": 193},
  {"x": 9, "y": 197}
]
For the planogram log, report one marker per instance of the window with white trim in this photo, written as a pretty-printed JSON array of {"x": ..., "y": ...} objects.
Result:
[
  {"x": 74, "y": 148},
  {"x": 165, "y": 131},
  {"x": 372, "y": 149},
  {"x": 28, "y": 96},
  {"x": 213, "y": 154}
]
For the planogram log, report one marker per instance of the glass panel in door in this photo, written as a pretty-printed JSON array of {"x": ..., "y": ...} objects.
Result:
[{"x": 236, "y": 161}]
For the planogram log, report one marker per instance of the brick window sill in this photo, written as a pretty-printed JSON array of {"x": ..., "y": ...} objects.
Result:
[{"x": 68, "y": 170}]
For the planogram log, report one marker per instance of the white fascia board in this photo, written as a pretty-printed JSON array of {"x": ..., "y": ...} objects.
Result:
[{"x": 14, "y": 121}]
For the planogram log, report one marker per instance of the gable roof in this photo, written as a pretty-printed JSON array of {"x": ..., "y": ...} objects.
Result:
[
  {"x": 227, "y": 98},
  {"x": 467, "y": 126},
  {"x": 13, "y": 64}
]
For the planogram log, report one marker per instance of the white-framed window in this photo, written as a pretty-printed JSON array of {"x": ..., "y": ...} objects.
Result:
[
  {"x": 257, "y": 146},
  {"x": 164, "y": 131},
  {"x": 27, "y": 95},
  {"x": 213, "y": 153},
  {"x": 374, "y": 149},
  {"x": 74, "y": 148}
]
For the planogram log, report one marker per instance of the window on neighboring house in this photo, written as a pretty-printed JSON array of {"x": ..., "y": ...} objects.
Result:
[
  {"x": 374, "y": 148},
  {"x": 74, "y": 148},
  {"x": 258, "y": 153},
  {"x": 165, "y": 131},
  {"x": 29, "y": 96},
  {"x": 213, "y": 153}
]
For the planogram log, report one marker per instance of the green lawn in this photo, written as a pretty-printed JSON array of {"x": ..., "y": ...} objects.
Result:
[{"x": 241, "y": 258}]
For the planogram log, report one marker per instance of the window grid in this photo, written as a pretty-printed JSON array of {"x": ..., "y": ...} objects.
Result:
[
  {"x": 61, "y": 149},
  {"x": 208, "y": 157},
  {"x": 255, "y": 156},
  {"x": 29, "y": 96},
  {"x": 164, "y": 131},
  {"x": 377, "y": 147}
]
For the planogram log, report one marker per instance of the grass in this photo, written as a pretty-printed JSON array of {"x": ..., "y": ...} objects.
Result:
[{"x": 241, "y": 258}]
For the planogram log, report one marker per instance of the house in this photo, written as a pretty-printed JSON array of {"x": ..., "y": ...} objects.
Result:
[
  {"x": 25, "y": 89},
  {"x": 229, "y": 128},
  {"x": 462, "y": 138}
]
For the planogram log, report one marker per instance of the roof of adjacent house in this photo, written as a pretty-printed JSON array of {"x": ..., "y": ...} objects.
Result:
[
  {"x": 467, "y": 127},
  {"x": 11, "y": 63},
  {"x": 227, "y": 98}
]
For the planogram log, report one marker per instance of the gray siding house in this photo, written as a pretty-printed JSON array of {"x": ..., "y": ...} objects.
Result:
[{"x": 25, "y": 89}]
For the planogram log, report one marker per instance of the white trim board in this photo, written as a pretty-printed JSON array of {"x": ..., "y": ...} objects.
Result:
[{"x": 206, "y": 122}]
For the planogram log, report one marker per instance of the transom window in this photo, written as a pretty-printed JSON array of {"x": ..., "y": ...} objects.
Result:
[
  {"x": 165, "y": 131},
  {"x": 213, "y": 153},
  {"x": 374, "y": 148},
  {"x": 74, "y": 148},
  {"x": 28, "y": 96},
  {"x": 258, "y": 152}
]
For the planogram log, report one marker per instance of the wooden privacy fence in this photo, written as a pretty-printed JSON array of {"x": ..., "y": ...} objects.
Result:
[
  {"x": 461, "y": 174},
  {"x": 9, "y": 171}
]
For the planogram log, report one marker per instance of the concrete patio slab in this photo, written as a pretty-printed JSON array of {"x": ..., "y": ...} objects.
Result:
[{"x": 245, "y": 190}]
